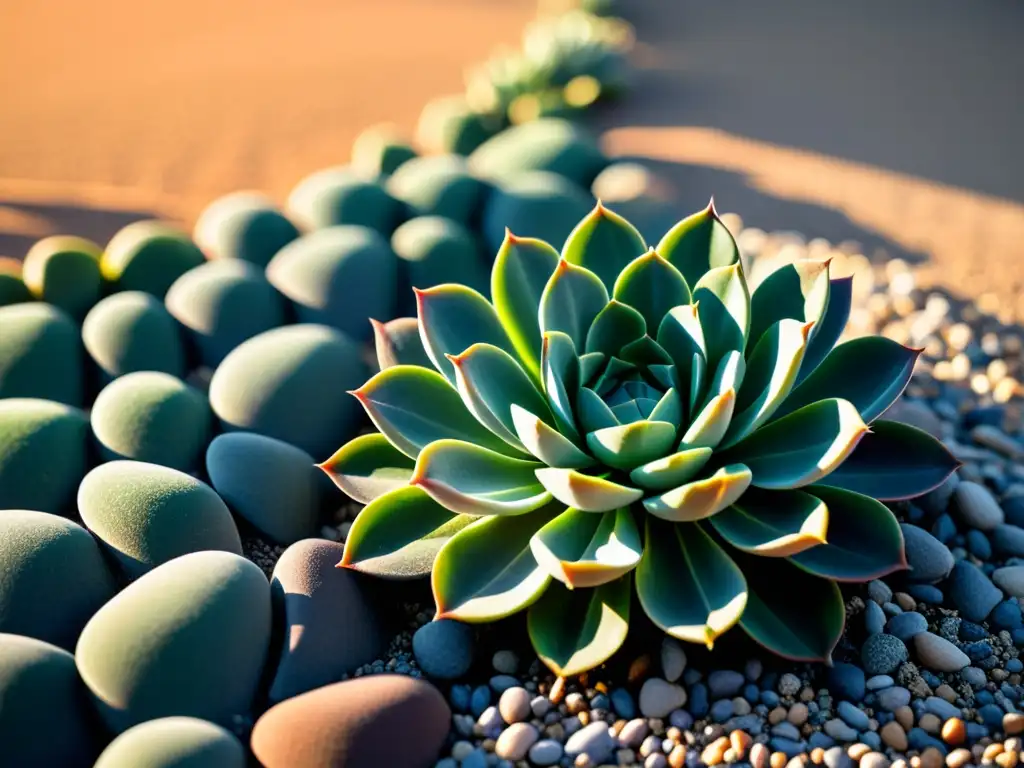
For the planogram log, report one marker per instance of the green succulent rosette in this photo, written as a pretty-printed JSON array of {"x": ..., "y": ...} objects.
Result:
[{"x": 621, "y": 418}]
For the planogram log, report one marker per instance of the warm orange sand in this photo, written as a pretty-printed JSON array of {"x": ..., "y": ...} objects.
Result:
[{"x": 111, "y": 110}]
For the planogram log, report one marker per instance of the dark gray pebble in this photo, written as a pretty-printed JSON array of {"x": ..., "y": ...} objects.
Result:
[
  {"x": 906, "y": 625},
  {"x": 972, "y": 592},
  {"x": 929, "y": 559},
  {"x": 724, "y": 682},
  {"x": 882, "y": 654},
  {"x": 444, "y": 649}
]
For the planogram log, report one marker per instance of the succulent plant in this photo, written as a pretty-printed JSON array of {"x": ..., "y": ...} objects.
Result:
[
  {"x": 65, "y": 271},
  {"x": 243, "y": 225},
  {"x": 148, "y": 256},
  {"x": 623, "y": 417}
]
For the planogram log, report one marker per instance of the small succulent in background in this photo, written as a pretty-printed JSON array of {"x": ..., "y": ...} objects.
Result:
[{"x": 629, "y": 418}]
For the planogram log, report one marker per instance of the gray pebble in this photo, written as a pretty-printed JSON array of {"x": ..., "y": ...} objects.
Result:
[
  {"x": 939, "y": 654},
  {"x": 514, "y": 705},
  {"x": 874, "y": 760},
  {"x": 634, "y": 732},
  {"x": 656, "y": 760},
  {"x": 941, "y": 708},
  {"x": 724, "y": 682},
  {"x": 852, "y": 716},
  {"x": 1010, "y": 580},
  {"x": 461, "y": 750},
  {"x": 515, "y": 741},
  {"x": 972, "y": 592},
  {"x": 659, "y": 697},
  {"x": 974, "y": 677},
  {"x": 893, "y": 698},
  {"x": 879, "y": 591},
  {"x": 1009, "y": 540},
  {"x": 490, "y": 720},
  {"x": 594, "y": 740},
  {"x": 789, "y": 684},
  {"x": 673, "y": 659},
  {"x": 505, "y": 662},
  {"x": 444, "y": 648},
  {"x": 879, "y": 682},
  {"x": 836, "y": 757},
  {"x": 840, "y": 731},
  {"x": 976, "y": 507},
  {"x": 874, "y": 618},
  {"x": 546, "y": 752},
  {"x": 882, "y": 654},
  {"x": 540, "y": 705},
  {"x": 906, "y": 625}
]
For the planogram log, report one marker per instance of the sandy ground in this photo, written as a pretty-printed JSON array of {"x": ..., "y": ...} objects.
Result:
[
  {"x": 898, "y": 125},
  {"x": 114, "y": 110}
]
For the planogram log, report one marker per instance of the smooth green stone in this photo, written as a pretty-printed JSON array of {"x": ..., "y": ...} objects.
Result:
[
  {"x": 132, "y": 331},
  {"x": 40, "y": 354},
  {"x": 174, "y": 742},
  {"x": 149, "y": 256}
]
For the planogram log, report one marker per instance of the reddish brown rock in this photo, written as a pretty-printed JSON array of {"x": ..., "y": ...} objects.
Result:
[{"x": 382, "y": 720}]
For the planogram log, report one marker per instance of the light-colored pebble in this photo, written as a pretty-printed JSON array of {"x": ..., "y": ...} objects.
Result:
[
  {"x": 976, "y": 506},
  {"x": 759, "y": 756},
  {"x": 673, "y": 659},
  {"x": 958, "y": 758},
  {"x": 515, "y": 741},
  {"x": 930, "y": 723},
  {"x": 1010, "y": 579},
  {"x": 545, "y": 752},
  {"x": 798, "y": 714},
  {"x": 634, "y": 732},
  {"x": 874, "y": 760},
  {"x": 576, "y": 703},
  {"x": 938, "y": 654},
  {"x": 659, "y": 697},
  {"x": 514, "y": 705},
  {"x": 931, "y": 758}
]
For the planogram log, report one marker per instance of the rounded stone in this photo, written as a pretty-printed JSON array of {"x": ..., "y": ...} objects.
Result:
[
  {"x": 1008, "y": 540},
  {"x": 976, "y": 506},
  {"x": 546, "y": 752},
  {"x": 12, "y": 288},
  {"x": 538, "y": 204},
  {"x": 552, "y": 144},
  {"x": 273, "y": 485},
  {"x": 514, "y": 705},
  {"x": 222, "y": 303},
  {"x": 906, "y": 625},
  {"x": 937, "y": 653},
  {"x": 1010, "y": 579},
  {"x": 46, "y": 718},
  {"x": 929, "y": 559},
  {"x": 64, "y": 271},
  {"x": 448, "y": 124},
  {"x": 593, "y": 740},
  {"x": 147, "y": 515},
  {"x": 439, "y": 185},
  {"x": 54, "y": 577},
  {"x": 40, "y": 354},
  {"x": 435, "y": 250},
  {"x": 133, "y": 331},
  {"x": 659, "y": 697},
  {"x": 972, "y": 592},
  {"x": 44, "y": 449},
  {"x": 338, "y": 276},
  {"x": 340, "y": 196},
  {"x": 515, "y": 741},
  {"x": 174, "y": 742},
  {"x": 390, "y": 720},
  {"x": 444, "y": 648},
  {"x": 149, "y": 256},
  {"x": 882, "y": 654},
  {"x": 243, "y": 225},
  {"x": 673, "y": 659},
  {"x": 189, "y": 638},
  {"x": 153, "y": 417},
  {"x": 290, "y": 383},
  {"x": 380, "y": 150},
  {"x": 330, "y": 626}
]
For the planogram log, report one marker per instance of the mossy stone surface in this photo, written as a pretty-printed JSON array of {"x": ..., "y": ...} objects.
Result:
[
  {"x": 440, "y": 185},
  {"x": 340, "y": 196},
  {"x": 222, "y": 303},
  {"x": 338, "y": 276},
  {"x": 64, "y": 271},
  {"x": 538, "y": 204},
  {"x": 44, "y": 454},
  {"x": 12, "y": 288},
  {"x": 290, "y": 383},
  {"x": 243, "y": 225},
  {"x": 46, "y": 714},
  {"x": 550, "y": 144},
  {"x": 379, "y": 151},
  {"x": 54, "y": 577},
  {"x": 436, "y": 250},
  {"x": 448, "y": 124},
  {"x": 189, "y": 638},
  {"x": 154, "y": 417},
  {"x": 273, "y": 485},
  {"x": 149, "y": 256},
  {"x": 40, "y": 354},
  {"x": 174, "y": 742},
  {"x": 132, "y": 331},
  {"x": 147, "y": 515}
]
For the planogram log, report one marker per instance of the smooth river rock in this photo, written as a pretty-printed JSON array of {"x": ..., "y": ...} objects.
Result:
[{"x": 174, "y": 742}]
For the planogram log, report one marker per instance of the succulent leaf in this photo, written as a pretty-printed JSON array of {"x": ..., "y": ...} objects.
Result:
[
  {"x": 708, "y": 429},
  {"x": 671, "y": 471},
  {"x": 415, "y": 406},
  {"x": 594, "y": 412},
  {"x": 399, "y": 534},
  {"x": 645, "y": 352},
  {"x": 453, "y": 318},
  {"x": 614, "y": 327},
  {"x": 571, "y": 300},
  {"x": 804, "y": 629},
  {"x": 797, "y": 291},
  {"x": 774, "y": 523},
  {"x": 652, "y": 286},
  {"x": 681, "y": 335},
  {"x": 397, "y": 342},
  {"x": 573, "y": 631},
  {"x": 770, "y": 374},
  {"x": 590, "y": 366},
  {"x": 471, "y": 480},
  {"x": 367, "y": 467},
  {"x": 603, "y": 243},
  {"x": 589, "y": 493},
  {"x": 864, "y": 539},
  {"x": 489, "y": 381},
  {"x": 584, "y": 549},
  {"x": 831, "y": 325},
  {"x": 801, "y": 448},
  {"x": 669, "y": 408},
  {"x": 687, "y": 584},
  {"x": 699, "y": 243},
  {"x": 546, "y": 442},
  {"x": 629, "y": 445},
  {"x": 560, "y": 377},
  {"x": 895, "y": 461},
  {"x": 723, "y": 307},
  {"x": 871, "y": 372},
  {"x": 521, "y": 269},
  {"x": 703, "y": 498},
  {"x": 487, "y": 571}
]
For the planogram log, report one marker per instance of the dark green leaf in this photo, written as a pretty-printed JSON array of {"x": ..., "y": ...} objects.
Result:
[
  {"x": 571, "y": 300},
  {"x": 894, "y": 461},
  {"x": 573, "y": 631},
  {"x": 831, "y": 326},
  {"x": 614, "y": 327},
  {"x": 699, "y": 243},
  {"x": 773, "y": 523},
  {"x": 630, "y": 445},
  {"x": 594, "y": 413},
  {"x": 560, "y": 377},
  {"x": 652, "y": 286},
  {"x": 671, "y": 471},
  {"x": 367, "y": 467},
  {"x": 797, "y": 291},
  {"x": 723, "y": 306},
  {"x": 604, "y": 243}
]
